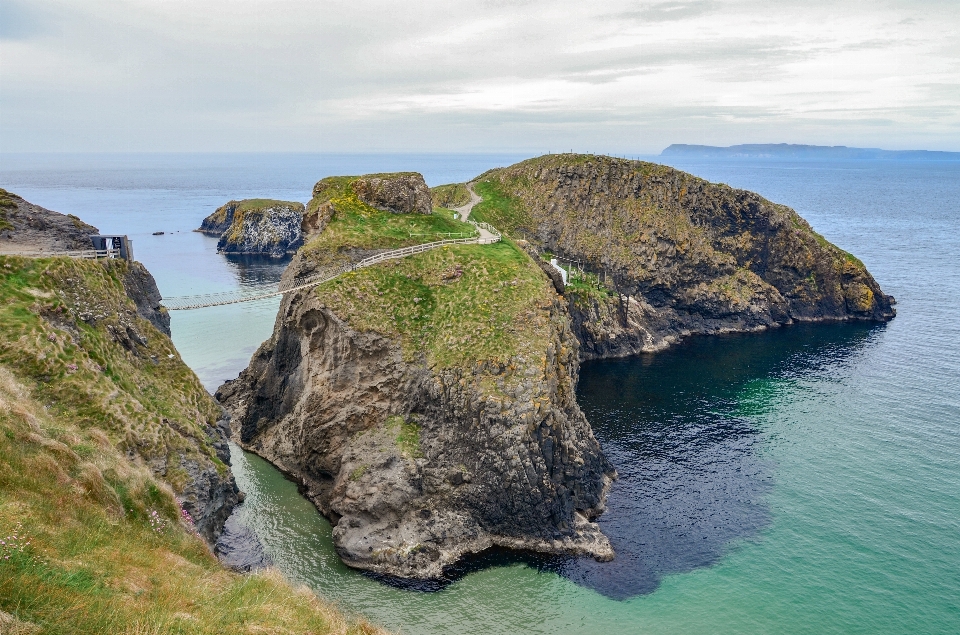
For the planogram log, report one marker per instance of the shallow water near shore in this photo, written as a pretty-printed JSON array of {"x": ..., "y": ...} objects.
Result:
[{"x": 803, "y": 480}]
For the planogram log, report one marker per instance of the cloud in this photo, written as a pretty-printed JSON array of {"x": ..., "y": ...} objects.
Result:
[{"x": 621, "y": 76}]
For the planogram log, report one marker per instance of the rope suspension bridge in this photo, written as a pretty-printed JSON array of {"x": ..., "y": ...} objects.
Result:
[{"x": 486, "y": 235}]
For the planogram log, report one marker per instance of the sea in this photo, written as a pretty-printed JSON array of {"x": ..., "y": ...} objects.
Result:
[{"x": 801, "y": 480}]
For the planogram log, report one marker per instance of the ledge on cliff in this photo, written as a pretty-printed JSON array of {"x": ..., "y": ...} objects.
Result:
[
  {"x": 257, "y": 226},
  {"x": 427, "y": 404},
  {"x": 678, "y": 254}
]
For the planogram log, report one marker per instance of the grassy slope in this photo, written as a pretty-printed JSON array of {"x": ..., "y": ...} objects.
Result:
[
  {"x": 356, "y": 225},
  {"x": 74, "y": 406},
  {"x": 450, "y": 195},
  {"x": 453, "y": 306},
  {"x": 645, "y": 220}
]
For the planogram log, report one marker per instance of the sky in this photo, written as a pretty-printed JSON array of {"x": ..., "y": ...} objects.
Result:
[{"x": 486, "y": 76}]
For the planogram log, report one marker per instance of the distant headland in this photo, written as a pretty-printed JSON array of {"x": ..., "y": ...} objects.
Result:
[{"x": 795, "y": 151}]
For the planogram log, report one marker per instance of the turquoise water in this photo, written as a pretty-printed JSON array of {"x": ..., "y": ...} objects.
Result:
[{"x": 803, "y": 480}]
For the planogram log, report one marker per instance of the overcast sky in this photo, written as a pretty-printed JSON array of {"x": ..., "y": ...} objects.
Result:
[{"x": 428, "y": 75}]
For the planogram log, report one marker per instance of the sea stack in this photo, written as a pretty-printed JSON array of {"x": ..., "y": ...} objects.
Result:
[{"x": 256, "y": 226}]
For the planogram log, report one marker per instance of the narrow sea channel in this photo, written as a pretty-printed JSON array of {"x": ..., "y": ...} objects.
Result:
[{"x": 802, "y": 480}]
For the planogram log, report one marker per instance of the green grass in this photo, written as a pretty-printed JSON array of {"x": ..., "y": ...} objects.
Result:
[
  {"x": 501, "y": 210},
  {"x": 585, "y": 288},
  {"x": 95, "y": 564},
  {"x": 407, "y": 437},
  {"x": 76, "y": 407},
  {"x": 356, "y": 225},
  {"x": 450, "y": 195},
  {"x": 257, "y": 204},
  {"x": 453, "y": 307},
  {"x": 78, "y": 367}
]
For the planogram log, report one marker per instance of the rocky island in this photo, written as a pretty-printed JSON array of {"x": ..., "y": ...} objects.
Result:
[
  {"x": 666, "y": 254},
  {"x": 427, "y": 405},
  {"x": 256, "y": 226}
]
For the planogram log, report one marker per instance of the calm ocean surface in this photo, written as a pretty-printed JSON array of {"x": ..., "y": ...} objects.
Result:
[{"x": 803, "y": 480}]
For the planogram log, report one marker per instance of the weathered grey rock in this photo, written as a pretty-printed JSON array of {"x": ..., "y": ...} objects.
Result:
[
  {"x": 257, "y": 226},
  {"x": 418, "y": 467},
  {"x": 141, "y": 287},
  {"x": 403, "y": 193},
  {"x": 25, "y": 227}
]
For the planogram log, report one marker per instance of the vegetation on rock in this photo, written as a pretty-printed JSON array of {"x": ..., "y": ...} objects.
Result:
[
  {"x": 105, "y": 436},
  {"x": 257, "y": 226},
  {"x": 427, "y": 403},
  {"x": 342, "y": 225},
  {"x": 679, "y": 255},
  {"x": 450, "y": 195}
]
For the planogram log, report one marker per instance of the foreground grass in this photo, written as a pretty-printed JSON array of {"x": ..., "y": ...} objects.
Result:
[
  {"x": 86, "y": 558},
  {"x": 94, "y": 402}
]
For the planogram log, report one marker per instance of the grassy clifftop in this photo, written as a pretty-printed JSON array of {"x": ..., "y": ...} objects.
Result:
[
  {"x": 454, "y": 306},
  {"x": 682, "y": 243},
  {"x": 101, "y": 424},
  {"x": 343, "y": 223},
  {"x": 451, "y": 195}
]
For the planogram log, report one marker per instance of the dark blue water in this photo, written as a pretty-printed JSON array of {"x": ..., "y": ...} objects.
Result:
[{"x": 803, "y": 480}]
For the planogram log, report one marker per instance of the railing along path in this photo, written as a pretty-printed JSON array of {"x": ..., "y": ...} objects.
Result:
[
  {"x": 183, "y": 303},
  {"x": 83, "y": 254}
]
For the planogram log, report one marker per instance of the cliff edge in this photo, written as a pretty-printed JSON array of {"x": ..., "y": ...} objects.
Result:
[{"x": 664, "y": 254}]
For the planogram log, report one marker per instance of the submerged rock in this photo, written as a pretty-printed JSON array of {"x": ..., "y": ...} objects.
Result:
[
  {"x": 257, "y": 226},
  {"x": 239, "y": 548}
]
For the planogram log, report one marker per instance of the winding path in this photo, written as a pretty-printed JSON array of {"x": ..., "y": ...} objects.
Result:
[{"x": 487, "y": 234}]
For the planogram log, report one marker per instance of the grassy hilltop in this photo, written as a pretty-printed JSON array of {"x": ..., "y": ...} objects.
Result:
[
  {"x": 685, "y": 245},
  {"x": 454, "y": 306},
  {"x": 94, "y": 403}
]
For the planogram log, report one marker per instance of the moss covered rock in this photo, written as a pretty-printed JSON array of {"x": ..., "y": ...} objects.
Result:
[{"x": 257, "y": 226}]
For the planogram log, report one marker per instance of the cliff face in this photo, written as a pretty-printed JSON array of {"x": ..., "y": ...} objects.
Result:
[
  {"x": 403, "y": 193},
  {"x": 427, "y": 405},
  {"x": 87, "y": 336},
  {"x": 671, "y": 254},
  {"x": 257, "y": 226}
]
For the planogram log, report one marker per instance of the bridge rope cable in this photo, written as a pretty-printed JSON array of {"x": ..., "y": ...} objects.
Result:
[{"x": 182, "y": 303}]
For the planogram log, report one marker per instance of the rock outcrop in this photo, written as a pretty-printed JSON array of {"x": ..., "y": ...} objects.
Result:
[
  {"x": 402, "y": 193},
  {"x": 671, "y": 254},
  {"x": 257, "y": 226},
  {"x": 383, "y": 394},
  {"x": 25, "y": 227},
  {"x": 111, "y": 363}
]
